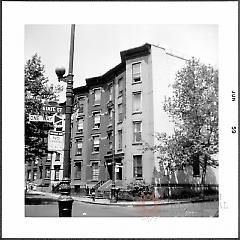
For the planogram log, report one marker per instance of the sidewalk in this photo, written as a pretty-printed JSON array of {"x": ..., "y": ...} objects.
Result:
[{"x": 128, "y": 203}]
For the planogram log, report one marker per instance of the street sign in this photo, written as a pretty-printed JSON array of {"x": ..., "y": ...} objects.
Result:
[
  {"x": 40, "y": 118},
  {"x": 51, "y": 109},
  {"x": 55, "y": 141},
  {"x": 56, "y": 119}
]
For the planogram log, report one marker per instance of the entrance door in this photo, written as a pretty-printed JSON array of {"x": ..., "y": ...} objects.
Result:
[
  {"x": 119, "y": 173},
  {"x": 109, "y": 170}
]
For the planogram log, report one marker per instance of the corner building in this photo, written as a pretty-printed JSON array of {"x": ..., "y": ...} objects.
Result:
[{"x": 117, "y": 113}]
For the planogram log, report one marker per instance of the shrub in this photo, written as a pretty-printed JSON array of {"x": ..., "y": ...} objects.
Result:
[{"x": 136, "y": 191}]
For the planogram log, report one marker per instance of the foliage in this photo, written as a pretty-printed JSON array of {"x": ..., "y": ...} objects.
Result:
[
  {"x": 37, "y": 92},
  {"x": 194, "y": 110},
  {"x": 137, "y": 191}
]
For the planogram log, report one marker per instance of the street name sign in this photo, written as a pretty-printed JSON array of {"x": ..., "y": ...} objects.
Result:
[
  {"x": 51, "y": 109},
  {"x": 55, "y": 141},
  {"x": 40, "y": 118}
]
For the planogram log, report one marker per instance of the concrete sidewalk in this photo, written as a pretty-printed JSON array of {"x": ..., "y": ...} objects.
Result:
[{"x": 128, "y": 203}]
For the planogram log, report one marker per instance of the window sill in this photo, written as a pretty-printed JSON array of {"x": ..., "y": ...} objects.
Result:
[
  {"x": 138, "y": 112},
  {"x": 120, "y": 122},
  {"x": 96, "y": 105},
  {"x": 120, "y": 95},
  {"x": 95, "y": 152},
  {"x": 137, "y": 143},
  {"x": 138, "y": 82},
  {"x": 138, "y": 178},
  {"x": 119, "y": 150},
  {"x": 79, "y": 132},
  {"x": 77, "y": 178},
  {"x": 77, "y": 154},
  {"x": 96, "y": 128}
]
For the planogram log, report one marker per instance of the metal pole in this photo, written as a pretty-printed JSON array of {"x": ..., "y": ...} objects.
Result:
[
  {"x": 113, "y": 189},
  {"x": 65, "y": 201}
]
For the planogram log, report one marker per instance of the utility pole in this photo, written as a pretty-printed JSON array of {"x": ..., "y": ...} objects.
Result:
[{"x": 65, "y": 201}]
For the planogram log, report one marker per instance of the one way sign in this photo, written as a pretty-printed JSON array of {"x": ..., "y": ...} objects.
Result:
[{"x": 57, "y": 120}]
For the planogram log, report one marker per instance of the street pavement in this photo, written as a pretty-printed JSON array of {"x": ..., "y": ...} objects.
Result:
[{"x": 38, "y": 205}]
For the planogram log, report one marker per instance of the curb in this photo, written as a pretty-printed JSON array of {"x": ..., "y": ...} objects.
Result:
[
  {"x": 127, "y": 204},
  {"x": 147, "y": 204}
]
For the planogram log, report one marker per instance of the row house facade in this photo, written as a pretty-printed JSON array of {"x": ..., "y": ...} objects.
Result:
[{"x": 117, "y": 113}]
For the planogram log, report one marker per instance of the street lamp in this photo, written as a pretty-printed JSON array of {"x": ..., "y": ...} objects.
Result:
[
  {"x": 113, "y": 189},
  {"x": 65, "y": 201}
]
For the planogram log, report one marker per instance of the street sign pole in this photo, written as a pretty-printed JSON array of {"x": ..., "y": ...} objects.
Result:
[{"x": 65, "y": 201}]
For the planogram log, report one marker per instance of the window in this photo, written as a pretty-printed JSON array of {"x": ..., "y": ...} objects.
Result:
[
  {"x": 120, "y": 86},
  {"x": 96, "y": 117},
  {"x": 120, "y": 114},
  {"x": 79, "y": 147},
  {"x": 110, "y": 145},
  {"x": 110, "y": 92},
  {"x": 136, "y": 72},
  {"x": 97, "y": 97},
  {"x": 58, "y": 156},
  {"x": 137, "y": 132},
  {"x": 119, "y": 139},
  {"x": 40, "y": 172},
  {"x": 29, "y": 175},
  {"x": 78, "y": 170},
  {"x": 57, "y": 170},
  {"x": 137, "y": 102},
  {"x": 137, "y": 166},
  {"x": 47, "y": 172},
  {"x": 95, "y": 143},
  {"x": 110, "y": 112},
  {"x": 80, "y": 124},
  {"x": 34, "y": 174},
  {"x": 81, "y": 104},
  {"x": 95, "y": 171},
  {"x": 110, "y": 140},
  {"x": 49, "y": 157}
]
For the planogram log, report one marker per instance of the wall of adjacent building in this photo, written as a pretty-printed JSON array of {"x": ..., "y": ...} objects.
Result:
[{"x": 164, "y": 68}]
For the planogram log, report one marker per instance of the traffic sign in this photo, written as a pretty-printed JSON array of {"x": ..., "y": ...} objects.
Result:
[
  {"x": 56, "y": 119},
  {"x": 40, "y": 118},
  {"x": 52, "y": 109},
  {"x": 55, "y": 141}
]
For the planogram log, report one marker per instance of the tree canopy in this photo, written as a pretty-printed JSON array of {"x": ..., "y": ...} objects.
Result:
[
  {"x": 193, "y": 107},
  {"x": 37, "y": 92}
]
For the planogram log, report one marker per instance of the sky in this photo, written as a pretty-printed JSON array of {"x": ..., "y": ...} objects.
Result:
[{"x": 97, "y": 46}]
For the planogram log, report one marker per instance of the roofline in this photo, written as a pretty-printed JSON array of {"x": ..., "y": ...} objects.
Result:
[
  {"x": 81, "y": 89},
  {"x": 105, "y": 77},
  {"x": 136, "y": 52}
]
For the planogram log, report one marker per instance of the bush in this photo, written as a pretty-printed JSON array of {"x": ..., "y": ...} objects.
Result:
[{"x": 137, "y": 191}]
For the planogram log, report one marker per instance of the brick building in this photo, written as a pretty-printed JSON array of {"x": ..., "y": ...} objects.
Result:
[
  {"x": 115, "y": 114},
  {"x": 118, "y": 112}
]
